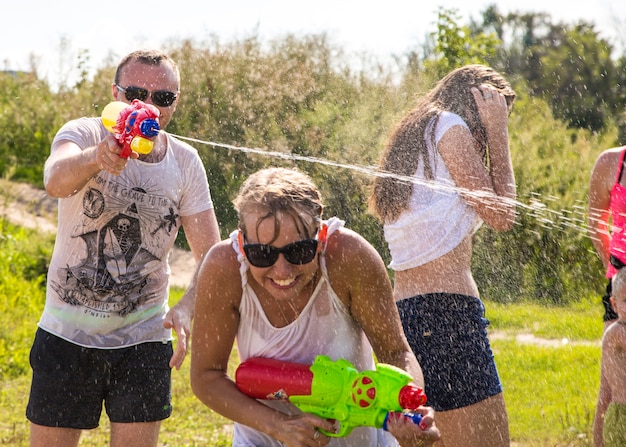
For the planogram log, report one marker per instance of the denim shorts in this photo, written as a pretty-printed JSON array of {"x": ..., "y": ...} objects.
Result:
[
  {"x": 448, "y": 334},
  {"x": 71, "y": 382}
]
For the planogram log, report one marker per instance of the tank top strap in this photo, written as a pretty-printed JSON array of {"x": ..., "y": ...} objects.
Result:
[
  {"x": 326, "y": 229},
  {"x": 236, "y": 242}
]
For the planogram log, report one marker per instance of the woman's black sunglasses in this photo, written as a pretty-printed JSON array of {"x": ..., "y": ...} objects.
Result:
[
  {"x": 262, "y": 255},
  {"x": 160, "y": 98}
]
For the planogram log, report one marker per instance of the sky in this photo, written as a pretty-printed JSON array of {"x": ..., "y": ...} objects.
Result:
[{"x": 34, "y": 29}]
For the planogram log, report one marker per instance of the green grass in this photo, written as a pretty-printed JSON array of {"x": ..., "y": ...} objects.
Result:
[
  {"x": 550, "y": 391},
  {"x": 193, "y": 424},
  {"x": 580, "y": 321},
  {"x": 22, "y": 278}
]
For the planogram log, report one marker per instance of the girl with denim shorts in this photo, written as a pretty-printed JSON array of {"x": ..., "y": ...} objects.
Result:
[{"x": 453, "y": 148}]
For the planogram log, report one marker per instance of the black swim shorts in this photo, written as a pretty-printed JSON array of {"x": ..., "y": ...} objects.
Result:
[
  {"x": 71, "y": 382},
  {"x": 609, "y": 313},
  {"x": 448, "y": 334}
]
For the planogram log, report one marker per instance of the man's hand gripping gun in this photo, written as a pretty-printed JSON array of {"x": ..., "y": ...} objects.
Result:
[
  {"x": 132, "y": 124},
  {"x": 334, "y": 390}
]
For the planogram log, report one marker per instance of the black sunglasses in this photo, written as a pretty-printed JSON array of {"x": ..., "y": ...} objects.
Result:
[
  {"x": 160, "y": 98},
  {"x": 262, "y": 255}
]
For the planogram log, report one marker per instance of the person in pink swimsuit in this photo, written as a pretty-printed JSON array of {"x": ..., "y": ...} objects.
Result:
[{"x": 607, "y": 222}]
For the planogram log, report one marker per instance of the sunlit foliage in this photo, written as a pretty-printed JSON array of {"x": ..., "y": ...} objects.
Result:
[{"x": 296, "y": 101}]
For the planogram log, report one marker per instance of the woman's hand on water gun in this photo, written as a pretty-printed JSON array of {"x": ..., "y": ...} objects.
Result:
[
  {"x": 304, "y": 430},
  {"x": 410, "y": 434}
]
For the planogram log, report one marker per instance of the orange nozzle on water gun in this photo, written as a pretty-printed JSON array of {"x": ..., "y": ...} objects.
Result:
[{"x": 132, "y": 124}]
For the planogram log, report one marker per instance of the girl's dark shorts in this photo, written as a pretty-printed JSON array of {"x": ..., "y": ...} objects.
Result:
[
  {"x": 609, "y": 313},
  {"x": 448, "y": 334},
  {"x": 71, "y": 382}
]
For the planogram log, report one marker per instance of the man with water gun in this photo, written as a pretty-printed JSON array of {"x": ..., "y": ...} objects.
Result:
[{"x": 125, "y": 187}]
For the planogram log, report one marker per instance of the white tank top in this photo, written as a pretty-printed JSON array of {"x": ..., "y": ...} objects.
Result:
[
  {"x": 324, "y": 327},
  {"x": 437, "y": 218}
]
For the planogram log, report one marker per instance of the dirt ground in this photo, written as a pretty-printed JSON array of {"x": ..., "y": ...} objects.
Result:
[{"x": 31, "y": 207}]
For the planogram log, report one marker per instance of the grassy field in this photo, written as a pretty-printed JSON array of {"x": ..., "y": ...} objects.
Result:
[
  {"x": 550, "y": 384},
  {"x": 551, "y": 380}
]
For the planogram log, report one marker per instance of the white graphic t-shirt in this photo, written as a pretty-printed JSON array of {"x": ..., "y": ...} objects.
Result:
[{"x": 108, "y": 279}]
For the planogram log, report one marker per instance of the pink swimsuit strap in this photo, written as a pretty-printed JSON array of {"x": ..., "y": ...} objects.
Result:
[{"x": 617, "y": 245}]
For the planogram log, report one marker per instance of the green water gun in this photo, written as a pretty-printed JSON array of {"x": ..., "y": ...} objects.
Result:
[{"x": 334, "y": 390}]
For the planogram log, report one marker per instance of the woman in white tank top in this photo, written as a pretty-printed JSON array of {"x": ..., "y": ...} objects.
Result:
[
  {"x": 288, "y": 286},
  {"x": 454, "y": 147}
]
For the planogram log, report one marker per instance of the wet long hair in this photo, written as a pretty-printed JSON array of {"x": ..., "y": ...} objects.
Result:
[
  {"x": 406, "y": 146},
  {"x": 279, "y": 193}
]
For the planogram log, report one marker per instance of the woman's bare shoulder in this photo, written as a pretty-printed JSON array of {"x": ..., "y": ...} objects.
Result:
[
  {"x": 609, "y": 156},
  {"x": 222, "y": 257},
  {"x": 347, "y": 244},
  {"x": 615, "y": 336}
]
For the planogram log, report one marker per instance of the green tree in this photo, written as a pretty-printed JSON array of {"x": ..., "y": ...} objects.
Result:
[
  {"x": 568, "y": 65},
  {"x": 293, "y": 101},
  {"x": 292, "y": 97},
  {"x": 580, "y": 76},
  {"x": 547, "y": 256},
  {"x": 28, "y": 120},
  {"x": 457, "y": 45}
]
